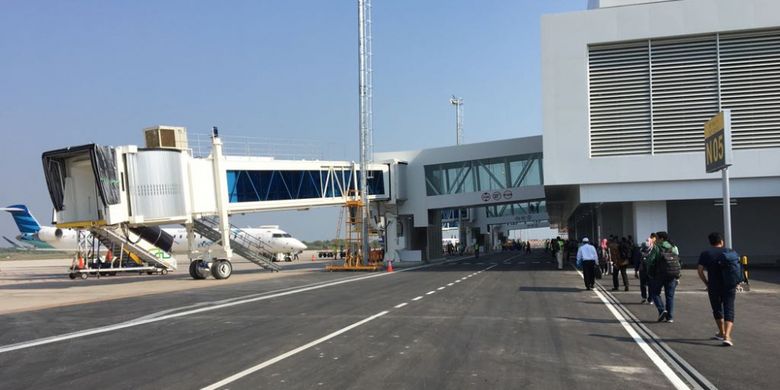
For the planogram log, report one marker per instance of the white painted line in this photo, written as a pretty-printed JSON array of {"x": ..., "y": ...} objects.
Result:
[
  {"x": 226, "y": 303},
  {"x": 660, "y": 363},
  {"x": 285, "y": 355},
  {"x": 441, "y": 288},
  {"x": 400, "y": 305},
  {"x": 457, "y": 281},
  {"x": 450, "y": 284},
  {"x": 417, "y": 298},
  {"x": 430, "y": 292}
]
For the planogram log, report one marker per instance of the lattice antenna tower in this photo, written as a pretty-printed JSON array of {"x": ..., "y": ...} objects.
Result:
[
  {"x": 370, "y": 80},
  {"x": 365, "y": 116}
]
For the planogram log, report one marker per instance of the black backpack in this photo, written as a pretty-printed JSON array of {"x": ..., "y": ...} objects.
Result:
[
  {"x": 730, "y": 268},
  {"x": 668, "y": 264}
]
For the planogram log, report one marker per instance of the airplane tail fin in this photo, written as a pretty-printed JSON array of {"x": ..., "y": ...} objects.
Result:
[{"x": 25, "y": 221}]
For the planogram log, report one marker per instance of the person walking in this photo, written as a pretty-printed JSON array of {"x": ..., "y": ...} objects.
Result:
[
  {"x": 587, "y": 259},
  {"x": 721, "y": 292},
  {"x": 620, "y": 253},
  {"x": 476, "y": 250},
  {"x": 559, "y": 248},
  {"x": 663, "y": 264},
  {"x": 604, "y": 255},
  {"x": 640, "y": 270}
]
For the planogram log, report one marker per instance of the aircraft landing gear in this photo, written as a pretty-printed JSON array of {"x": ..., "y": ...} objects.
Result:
[
  {"x": 197, "y": 268},
  {"x": 221, "y": 269}
]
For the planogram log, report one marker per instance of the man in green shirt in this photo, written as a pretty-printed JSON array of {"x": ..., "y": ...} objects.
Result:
[{"x": 663, "y": 276}]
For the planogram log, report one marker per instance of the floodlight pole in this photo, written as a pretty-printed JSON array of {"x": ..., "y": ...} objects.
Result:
[{"x": 458, "y": 103}]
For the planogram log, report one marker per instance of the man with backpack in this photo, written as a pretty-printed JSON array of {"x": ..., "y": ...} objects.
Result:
[
  {"x": 620, "y": 252},
  {"x": 663, "y": 264},
  {"x": 724, "y": 273}
]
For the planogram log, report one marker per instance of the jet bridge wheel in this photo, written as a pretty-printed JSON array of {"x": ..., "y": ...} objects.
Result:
[
  {"x": 194, "y": 272},
  {"x": 221, "y": 269}
]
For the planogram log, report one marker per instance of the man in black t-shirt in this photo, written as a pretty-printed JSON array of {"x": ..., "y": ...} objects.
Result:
[{"x": 721, "y": 297}]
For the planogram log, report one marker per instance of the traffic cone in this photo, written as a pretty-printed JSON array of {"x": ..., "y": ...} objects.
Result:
[
  {"x": 312, "y": 257},
  {"x": 390, "y": 265},
  {"x": 81, "y": 262}
]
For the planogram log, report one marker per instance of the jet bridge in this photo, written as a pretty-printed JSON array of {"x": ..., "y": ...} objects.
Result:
[{"x": 102, "y": 187}]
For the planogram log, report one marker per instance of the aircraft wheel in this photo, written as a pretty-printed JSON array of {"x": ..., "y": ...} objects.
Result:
[
  {"x": 221, "y": 269},
  {"x": 194, "y": 271},
  {"x": 84, "y": 275}
]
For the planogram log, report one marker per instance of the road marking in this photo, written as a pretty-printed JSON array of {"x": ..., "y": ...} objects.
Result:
[
  {"x": 440, "y": 288},
  {"x": 226, "y": 303},
  {"x": 457, "y": 281},
  {"x": 430, "y": 292},
  {"x": 417, "y": 298},
  {"x": 660, "y": 363},
  {"x": 400, "y": 305},
  {"x": 285, "y": 355},
  {"x": 450, "y": 284}
]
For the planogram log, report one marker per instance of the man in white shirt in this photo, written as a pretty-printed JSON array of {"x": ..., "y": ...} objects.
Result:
[{"x": 588, "y": 260}]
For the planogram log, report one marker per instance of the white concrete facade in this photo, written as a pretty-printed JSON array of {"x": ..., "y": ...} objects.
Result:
[{"x": 642, "y": 186}]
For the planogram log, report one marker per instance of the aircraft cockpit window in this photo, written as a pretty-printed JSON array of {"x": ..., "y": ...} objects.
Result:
[{"x": 278, "y": 235}]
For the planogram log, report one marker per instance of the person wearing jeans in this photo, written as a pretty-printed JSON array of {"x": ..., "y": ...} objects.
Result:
[
  {"x": 665, "y": 313},
  {"x": 659, "y": 280},
  {"x": 640, "y": 270}
]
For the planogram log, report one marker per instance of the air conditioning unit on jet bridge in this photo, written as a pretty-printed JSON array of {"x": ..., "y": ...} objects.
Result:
[{"x": 166, "y": 137}]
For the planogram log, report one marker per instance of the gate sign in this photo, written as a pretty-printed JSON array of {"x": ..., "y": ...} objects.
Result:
[{"x": 717, "y": 142}]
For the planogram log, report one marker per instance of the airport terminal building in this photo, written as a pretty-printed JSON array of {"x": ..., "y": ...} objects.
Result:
[{"x": 627, "y": 87}]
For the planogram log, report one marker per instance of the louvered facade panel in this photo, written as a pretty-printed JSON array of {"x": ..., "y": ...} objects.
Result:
[
  {"x": 750, "y": 86},
  {"x": 654, "y": 96},
  {"x": 619, "y": 99},
  {"x": 685, "y": 91}
]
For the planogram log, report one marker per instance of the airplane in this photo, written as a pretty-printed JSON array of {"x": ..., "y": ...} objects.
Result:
[{"x": 42, "y": 237}]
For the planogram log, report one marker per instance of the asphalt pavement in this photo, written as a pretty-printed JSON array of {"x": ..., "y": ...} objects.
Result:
[{"x": 502, "y": 321}]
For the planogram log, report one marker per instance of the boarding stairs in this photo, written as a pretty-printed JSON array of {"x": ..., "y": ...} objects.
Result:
[
  {"x": 243, "y": 243},
  {"x": 142, "y": 249},
  {"x": 117, "y": 251}
]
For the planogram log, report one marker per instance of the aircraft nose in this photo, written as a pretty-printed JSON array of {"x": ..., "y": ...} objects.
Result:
[{"x": 297, "y": 245}]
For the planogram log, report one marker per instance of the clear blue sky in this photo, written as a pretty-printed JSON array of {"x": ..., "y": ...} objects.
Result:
[{"x": 76, "y": 72}]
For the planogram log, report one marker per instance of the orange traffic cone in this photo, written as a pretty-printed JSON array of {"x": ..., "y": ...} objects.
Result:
[
  {"x": 312, "y": 257},
  {"x": 390, "y": 265},
  {"x": 81, "y": 262}
]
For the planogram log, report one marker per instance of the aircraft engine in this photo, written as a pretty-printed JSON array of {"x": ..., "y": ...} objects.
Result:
[{"x": 50, "y": 235}]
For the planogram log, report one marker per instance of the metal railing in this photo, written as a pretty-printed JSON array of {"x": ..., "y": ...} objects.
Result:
[
  {"x": 278, "y": 148},
  {"x": 243, "y": 243}
]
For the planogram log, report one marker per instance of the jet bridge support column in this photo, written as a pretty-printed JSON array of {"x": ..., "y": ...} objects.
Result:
[{"x": 220, "y": 188}]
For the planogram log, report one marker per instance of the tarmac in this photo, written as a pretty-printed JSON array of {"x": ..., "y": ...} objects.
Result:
[{"x": 502, "y": 321}]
